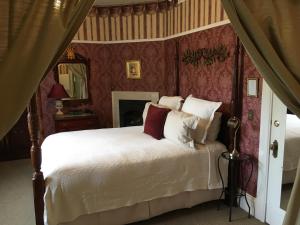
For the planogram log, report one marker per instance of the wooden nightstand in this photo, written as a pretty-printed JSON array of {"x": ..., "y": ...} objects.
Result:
[{"x": 70, "y": 122}]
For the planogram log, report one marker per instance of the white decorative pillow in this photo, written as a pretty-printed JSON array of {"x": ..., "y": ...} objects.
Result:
[
  {"x": 214, "y": 128},
  {"x": 145, "y": 112},
  {"x": 205, "y": 111},
  {"x": 172, "y": 102},
  {"x": 178, "y": 127}
]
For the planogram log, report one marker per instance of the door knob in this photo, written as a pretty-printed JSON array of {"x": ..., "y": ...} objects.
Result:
[
  {"x": 276, "y": 123},
  {"x": 274, "y": 148}
]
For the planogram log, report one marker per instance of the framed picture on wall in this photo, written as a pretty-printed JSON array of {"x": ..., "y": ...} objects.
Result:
[
  {"x": 252, "y": 87},
  {"x": 133, "y": 69}
]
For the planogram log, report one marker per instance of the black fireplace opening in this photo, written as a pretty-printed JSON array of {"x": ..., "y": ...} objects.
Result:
[{"x": 131, "y": 112}]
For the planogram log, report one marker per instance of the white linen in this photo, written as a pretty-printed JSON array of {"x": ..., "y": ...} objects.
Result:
[
  {"x": 145, "y": 112},
  {"x": 172, "y": 102},
  {"x": 148, "y": 209},
  {"x": 178, "y": 125},
  {"x": 215, "y": 127},
  {"x": 96, "y": 170},
  {"x": 205, "y": 111},
  {"x": 292, "y": 143}
]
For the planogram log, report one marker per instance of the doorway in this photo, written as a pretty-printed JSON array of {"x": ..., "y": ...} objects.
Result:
[{"x": 279, "y": 156}]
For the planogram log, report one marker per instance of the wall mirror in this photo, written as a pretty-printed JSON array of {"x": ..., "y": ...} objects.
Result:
[{"x": 73, "y": 73}]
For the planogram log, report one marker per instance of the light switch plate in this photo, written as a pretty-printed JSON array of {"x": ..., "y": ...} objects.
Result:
[{"x": 250, "y": 114}]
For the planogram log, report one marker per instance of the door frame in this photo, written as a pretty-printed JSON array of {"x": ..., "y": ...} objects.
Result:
[
  {"x": 263, "y": 156},
  {"x": 264, "y": 153}
]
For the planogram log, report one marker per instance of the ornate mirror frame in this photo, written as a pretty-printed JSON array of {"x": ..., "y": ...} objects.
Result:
[{"x": 74, "y": 58}]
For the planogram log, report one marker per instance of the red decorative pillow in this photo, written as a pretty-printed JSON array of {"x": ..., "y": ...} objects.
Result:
[{"x": 155, "y": 121}]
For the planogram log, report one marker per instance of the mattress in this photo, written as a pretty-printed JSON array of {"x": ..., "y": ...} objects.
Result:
[
  {"x": 98, "y": 170},
  {"x": 292, "y": 143}
]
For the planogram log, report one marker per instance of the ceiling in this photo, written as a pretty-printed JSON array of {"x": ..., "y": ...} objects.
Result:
[{"x": 121, "y": 2}]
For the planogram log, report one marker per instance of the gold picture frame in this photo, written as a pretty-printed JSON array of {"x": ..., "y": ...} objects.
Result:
[{"x": 133, "y": 69}]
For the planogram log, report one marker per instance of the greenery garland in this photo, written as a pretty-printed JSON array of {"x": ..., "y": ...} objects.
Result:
[{"x": 205, "y": 56}]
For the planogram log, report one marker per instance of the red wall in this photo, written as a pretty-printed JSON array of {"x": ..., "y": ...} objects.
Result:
[
  {"x": 214, "y": 83},
  {"x": 108, "y": 74},
  {"x": 158, "y": 74}
]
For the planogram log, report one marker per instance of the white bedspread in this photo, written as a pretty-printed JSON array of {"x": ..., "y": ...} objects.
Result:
[
  {"x": 292, "y": 143},
  {"x": 97, "y": 170}
]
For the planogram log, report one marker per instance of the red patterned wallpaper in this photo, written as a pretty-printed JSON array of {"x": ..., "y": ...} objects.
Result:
[
  {"x": 108, "y": 74},
  {"x": 214, "y": 83},
  {"x": 250, "y": 128},
  {"x": 158, "y": 74},
  {"x": 209, "y": 82}
]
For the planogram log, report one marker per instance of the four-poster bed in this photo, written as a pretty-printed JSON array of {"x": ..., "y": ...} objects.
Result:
[
  {"x": 234, "y": 108},
  {"x": 38, "y": 181}
]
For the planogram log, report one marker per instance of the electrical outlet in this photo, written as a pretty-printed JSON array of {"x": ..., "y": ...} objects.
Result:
[{"x": 250, "y": 114}]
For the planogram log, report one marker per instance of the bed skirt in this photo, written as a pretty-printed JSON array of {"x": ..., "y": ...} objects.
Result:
[{"x": 147, "y": 210}]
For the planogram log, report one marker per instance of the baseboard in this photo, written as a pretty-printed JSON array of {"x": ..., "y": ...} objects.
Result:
[{"x": 251, "y": 201}]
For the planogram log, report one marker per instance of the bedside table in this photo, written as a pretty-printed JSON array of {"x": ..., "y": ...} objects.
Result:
[
  {"x": 70, "y": 122},
  {"x": 232, "y": 191}
]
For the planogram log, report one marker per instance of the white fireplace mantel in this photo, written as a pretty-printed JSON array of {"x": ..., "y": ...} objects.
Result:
[{"x": 129, "y": 95}]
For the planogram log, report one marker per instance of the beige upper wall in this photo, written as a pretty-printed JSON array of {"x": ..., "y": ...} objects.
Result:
[{"x": 149, "y": 21}]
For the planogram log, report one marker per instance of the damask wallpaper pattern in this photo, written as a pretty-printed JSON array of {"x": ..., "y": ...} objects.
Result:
[
  {"x": 108, "y": 74},
  {"x": 158, "y": 74},
  {"x": 211, "y": 82},
  {"x": 214, "y": 83}
]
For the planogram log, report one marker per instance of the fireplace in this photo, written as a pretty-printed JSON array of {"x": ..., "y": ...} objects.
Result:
[
  {"x": 131, "y": 112},
  {"x": 128, "y": 107}
]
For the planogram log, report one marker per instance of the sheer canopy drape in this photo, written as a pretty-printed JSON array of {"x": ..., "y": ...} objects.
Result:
[
  {"x": 33, "y": 34},
  {"x": 269, "y": 30}
]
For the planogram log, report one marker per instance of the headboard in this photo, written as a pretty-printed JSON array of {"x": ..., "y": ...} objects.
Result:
[
  {"x": 215, "y": 85},
  {"x": 225, "y": 133}
]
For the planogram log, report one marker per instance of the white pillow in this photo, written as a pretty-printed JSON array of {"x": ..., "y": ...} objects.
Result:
[
  {"x": 172, "y": 102},
  {"x": 178, "y": 127},
  {"x": 205, "y": 111},
  {"x": 214, "y": 128},
  {"x": 145, "y": 112}
]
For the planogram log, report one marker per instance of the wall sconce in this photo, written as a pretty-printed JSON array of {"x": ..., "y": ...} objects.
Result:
[{"x": 235, "y": 124}]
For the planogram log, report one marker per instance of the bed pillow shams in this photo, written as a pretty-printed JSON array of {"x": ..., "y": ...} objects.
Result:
[
  {"x": 145, "y": 112},
  {"x": 178, "y": 127},
  {"x": 155, "y": 121},
  {"x": 172, "y": 102},
  {"x": 205, "y": 111},
  {"x": 214, "y": 128}
]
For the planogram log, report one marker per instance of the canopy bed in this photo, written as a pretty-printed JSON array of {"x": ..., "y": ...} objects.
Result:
[
  {"x": 134, "y": 172},
  {"x": 65, "y": 21},
  {"x": 108, "y": 169}
]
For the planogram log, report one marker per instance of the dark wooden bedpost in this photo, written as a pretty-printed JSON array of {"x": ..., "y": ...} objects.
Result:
[
  {"x": 36, "y": 159},
  {"x": 235, "y": 78},
  {"x": 177, "y": 69},
  {"x": 238, "y": 79},
  {"x": 237, "y": 88}
]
